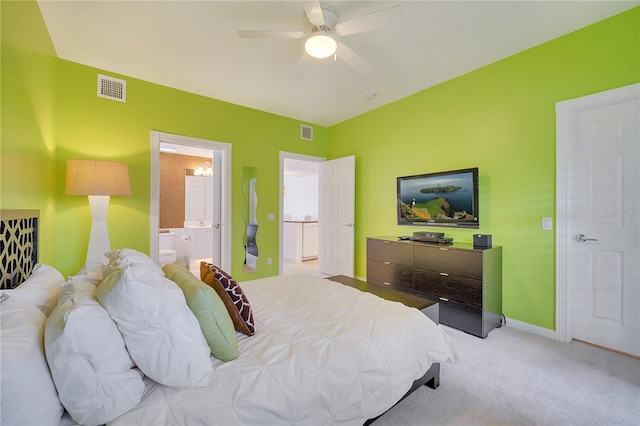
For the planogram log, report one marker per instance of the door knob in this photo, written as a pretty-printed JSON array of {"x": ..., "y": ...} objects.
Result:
[{"x": 581, "y": 238}]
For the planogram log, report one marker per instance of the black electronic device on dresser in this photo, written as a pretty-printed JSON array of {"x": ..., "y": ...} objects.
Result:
[{"x": 466, "y": 281}]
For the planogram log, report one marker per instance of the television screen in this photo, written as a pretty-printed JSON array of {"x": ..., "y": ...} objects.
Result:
[{"x": 448, "y": 199}]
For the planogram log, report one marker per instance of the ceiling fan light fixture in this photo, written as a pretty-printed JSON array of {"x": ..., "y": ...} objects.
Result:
[{"x": 320, "y": 46}]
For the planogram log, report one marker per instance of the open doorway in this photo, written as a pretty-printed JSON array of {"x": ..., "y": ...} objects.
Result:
[
  {"x": 299, "y": 188},
  {"x": 196, "y": 224}
]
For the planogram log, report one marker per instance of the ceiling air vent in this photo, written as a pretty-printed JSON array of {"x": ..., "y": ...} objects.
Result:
[
  {"x": 306, "y": 132},
  {"x": 112, "y": 88}
]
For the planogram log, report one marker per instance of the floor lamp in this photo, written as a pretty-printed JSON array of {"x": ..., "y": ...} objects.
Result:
[{"x": 99, "y": 180}]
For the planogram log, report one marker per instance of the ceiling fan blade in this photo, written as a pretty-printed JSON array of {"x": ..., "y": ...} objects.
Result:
[
  {"x": 314, "y": 12},
  {"x": 270, "y": 34},
  {"x": 352, "y": 59},
  {"x": 371, "y": 21}
]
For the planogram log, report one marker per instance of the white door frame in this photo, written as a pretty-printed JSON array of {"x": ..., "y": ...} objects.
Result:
[
  {"x": 225, "y": 196},
  {"x": 283, "y": 156},
  {"x": 565, "y": 128}
]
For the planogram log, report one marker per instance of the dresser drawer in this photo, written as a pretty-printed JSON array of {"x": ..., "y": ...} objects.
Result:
[
  {"x": 396, "y": 276},
  {"x": 462, "y": 317},
  {"x": 464, "y": 263},
  {"x": 453, "y": 288},
  {"x": 390, "y": 251}
]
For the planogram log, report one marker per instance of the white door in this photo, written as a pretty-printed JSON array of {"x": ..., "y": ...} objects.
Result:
[
  {"x": 194, "y": 201},
  {"x": 336, "y": 206},
  {"x": 202, "y": 202},
  {"x": 216, "y": 202},
  {"x": 605, "y": 265}
]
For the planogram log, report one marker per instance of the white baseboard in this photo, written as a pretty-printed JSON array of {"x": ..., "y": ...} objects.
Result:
[{"x": 533, "y": 329}]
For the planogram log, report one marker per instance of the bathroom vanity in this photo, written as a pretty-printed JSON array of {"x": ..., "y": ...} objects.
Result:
[{"x": 201, "y": 245}]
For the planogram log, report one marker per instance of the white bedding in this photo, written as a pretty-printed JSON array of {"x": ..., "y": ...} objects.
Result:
[{"x": 323, "y": 353}]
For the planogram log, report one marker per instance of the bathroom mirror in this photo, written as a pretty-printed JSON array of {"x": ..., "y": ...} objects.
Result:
[{"x": 250, "y": 219}]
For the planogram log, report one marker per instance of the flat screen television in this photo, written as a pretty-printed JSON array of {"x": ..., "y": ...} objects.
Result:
[{"x": 447, "y": 199}]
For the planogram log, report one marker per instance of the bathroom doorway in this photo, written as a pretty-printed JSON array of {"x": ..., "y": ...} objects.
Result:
[{"x": 195, "y": 222}]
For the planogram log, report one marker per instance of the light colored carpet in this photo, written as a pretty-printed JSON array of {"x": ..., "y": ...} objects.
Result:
[{"x": 517, "y": 378}]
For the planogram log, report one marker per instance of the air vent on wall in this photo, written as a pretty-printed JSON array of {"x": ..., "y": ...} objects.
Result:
[
  {"x": 112, "y": 88},
  {"x": 306, "y": 132}
]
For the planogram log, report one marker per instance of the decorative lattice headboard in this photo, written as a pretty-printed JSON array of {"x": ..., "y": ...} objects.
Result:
[{"x": 18, "y": 245}]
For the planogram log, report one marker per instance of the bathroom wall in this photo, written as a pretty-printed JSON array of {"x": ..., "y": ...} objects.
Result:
[
  {"x": 172, "y": 172},
  {"x": 301, "y": 198}
]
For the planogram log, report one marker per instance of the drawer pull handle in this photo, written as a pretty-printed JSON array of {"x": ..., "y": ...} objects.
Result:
[
  {"x": 444, "y": 299},
  {"x": 444, "y": 248},
  {"x": 386, "y": 242},
  {"x": 387, "y": 283},
  {"x": 387, "y": 263},
  {"x": 444, "y": 274}
]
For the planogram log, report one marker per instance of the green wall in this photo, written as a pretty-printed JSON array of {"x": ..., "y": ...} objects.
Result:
[
  {"x": 64, "y": 93},
  {"x": 27, "y": 166},
  {"x": 500, "y": 118},
  {"x": 88, "y": 126}
]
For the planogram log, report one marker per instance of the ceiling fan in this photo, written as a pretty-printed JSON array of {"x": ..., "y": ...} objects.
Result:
[{"x": 324, "y": 29}]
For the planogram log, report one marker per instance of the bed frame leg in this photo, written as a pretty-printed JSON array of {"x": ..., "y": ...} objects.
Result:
[
  {"x": 434, "y": 382},
  {"x": 431, "y": 378}
]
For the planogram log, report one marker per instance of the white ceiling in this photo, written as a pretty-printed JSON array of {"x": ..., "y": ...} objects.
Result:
[{"x": 194, "y": 46}]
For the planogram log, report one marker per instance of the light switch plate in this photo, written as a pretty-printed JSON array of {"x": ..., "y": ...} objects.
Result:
[
  {"x": 271, "y": 217},
  {"x": 547, "y": 223}
]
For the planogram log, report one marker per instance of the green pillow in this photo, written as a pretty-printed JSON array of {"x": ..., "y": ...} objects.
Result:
[{"x": 210, "y": 311}]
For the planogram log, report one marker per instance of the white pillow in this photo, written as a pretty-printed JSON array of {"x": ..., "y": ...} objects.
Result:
[
  {"x": 123, "y": 257},
  {"x": 92, "y": 271},
  {"x": 96, "y": 379},
  {"x": 27, "y": 391},
  {"x": 160, "y": 331},
  {"x": 41, "y": 289}
]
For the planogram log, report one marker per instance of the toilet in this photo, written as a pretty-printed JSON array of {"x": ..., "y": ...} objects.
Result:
[{"x": 167, "y": 248}]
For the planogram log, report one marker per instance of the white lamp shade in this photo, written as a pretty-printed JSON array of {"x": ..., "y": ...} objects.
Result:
[
  {"x": 97, "y": 177},
  {"x": 320, "y": 46}
]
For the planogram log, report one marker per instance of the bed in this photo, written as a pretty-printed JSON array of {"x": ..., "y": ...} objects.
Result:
[{"x": 318, "y": 352}]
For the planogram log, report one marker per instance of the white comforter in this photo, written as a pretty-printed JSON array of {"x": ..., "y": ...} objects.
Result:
[{"x": 323, "y": 353}]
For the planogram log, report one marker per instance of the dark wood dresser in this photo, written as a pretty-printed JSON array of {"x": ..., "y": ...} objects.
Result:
[
  {"x": 428, "y": 307},
  {"x": 466, "y": 281}
]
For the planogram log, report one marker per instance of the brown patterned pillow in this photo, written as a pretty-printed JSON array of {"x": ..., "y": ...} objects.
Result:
[{"x": 231, "y": 294}]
